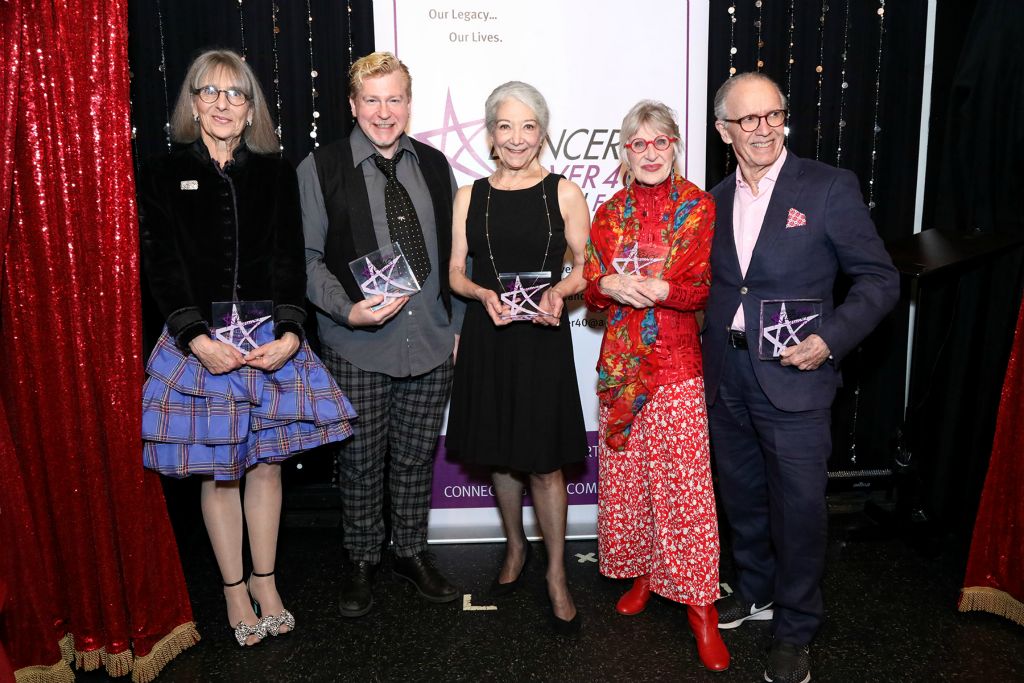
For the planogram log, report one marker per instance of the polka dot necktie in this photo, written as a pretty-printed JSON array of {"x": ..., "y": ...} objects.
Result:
[{"x": 403, "y": 224}]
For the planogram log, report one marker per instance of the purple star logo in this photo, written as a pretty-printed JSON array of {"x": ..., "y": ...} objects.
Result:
[{"x": 455, "y": 139}]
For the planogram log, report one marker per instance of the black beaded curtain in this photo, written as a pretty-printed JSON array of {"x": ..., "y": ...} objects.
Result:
[
  {"x": 276, "y": 39},
  {"x": 886, "y": 48},
  {"x": 871, "y": 126}
]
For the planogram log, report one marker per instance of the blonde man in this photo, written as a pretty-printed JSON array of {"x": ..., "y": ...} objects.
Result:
[{"x": 394, "y": 361}]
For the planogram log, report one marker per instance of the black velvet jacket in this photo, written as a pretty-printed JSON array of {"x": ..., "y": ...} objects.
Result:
[{"x": 206, "y": 230}]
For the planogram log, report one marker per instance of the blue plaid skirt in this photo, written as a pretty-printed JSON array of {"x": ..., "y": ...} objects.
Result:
[{"x": 195, "y": 422}]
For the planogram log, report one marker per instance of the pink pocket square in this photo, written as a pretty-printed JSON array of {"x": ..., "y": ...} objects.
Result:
[{"x": 795, "y": 219}]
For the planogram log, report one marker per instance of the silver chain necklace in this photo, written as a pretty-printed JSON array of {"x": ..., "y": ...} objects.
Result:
[{"x": 487, "y": 226}]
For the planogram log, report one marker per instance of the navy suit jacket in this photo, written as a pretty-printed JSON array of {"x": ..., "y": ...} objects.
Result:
[{"x": 799, "y": 263}]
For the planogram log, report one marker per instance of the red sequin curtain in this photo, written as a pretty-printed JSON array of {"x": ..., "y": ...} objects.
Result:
[
  {"x": 995, "y": 567},
  {"x": 89, "y": 561}
]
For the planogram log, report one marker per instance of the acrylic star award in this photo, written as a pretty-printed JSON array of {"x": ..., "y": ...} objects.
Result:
[
  {"x": 640, "y": 259},
  {"x": 786, "y": 323},
  {"x": 522, "y": 293},
  {"x": 385, "y": 272},
  {"x": 235, "y": 322}
]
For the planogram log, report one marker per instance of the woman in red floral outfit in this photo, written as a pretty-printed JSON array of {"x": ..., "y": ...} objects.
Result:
[{"x": 647, "y": 265}]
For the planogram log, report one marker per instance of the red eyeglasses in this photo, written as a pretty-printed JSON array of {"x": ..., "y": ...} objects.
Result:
[{"x": 661, "y": 143}]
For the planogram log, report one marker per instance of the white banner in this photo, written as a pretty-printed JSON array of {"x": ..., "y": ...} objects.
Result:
[{"x": 592, "y": 60}]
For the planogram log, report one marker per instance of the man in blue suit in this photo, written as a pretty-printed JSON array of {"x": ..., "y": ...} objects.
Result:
[{"x": 786, "y": 227}]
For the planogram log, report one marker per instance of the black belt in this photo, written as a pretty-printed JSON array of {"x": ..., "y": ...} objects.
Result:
[{"x": 737, "y": 339}]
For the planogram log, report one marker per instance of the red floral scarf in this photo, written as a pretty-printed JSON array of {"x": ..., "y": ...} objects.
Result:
[{"x": 627, "y": 365}]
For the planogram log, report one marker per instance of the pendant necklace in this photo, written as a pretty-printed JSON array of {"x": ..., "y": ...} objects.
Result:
[{"x": 487, "y": 226}]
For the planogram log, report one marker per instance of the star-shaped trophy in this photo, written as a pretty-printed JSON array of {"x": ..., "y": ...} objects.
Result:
[
  {"x": 522, "y": 294},
  {"x": 786, "y": 323},
  {"x": 241, "y": 319},
  {"x": 385, "y": 272},
  {"x": 636, "y": 260}
]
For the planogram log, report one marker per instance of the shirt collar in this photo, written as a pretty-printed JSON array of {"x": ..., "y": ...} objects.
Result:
[
  {"x": 363, "y": 149},
  {"x": 772, "y": 175}
]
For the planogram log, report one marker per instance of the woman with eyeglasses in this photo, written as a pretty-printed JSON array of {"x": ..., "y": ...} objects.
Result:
[
  {"x": 232, "y": 388},
  {"x": 647, "y": 265}
]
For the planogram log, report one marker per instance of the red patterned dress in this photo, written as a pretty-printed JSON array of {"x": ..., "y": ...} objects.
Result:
[{"x": 656, "y": 506}]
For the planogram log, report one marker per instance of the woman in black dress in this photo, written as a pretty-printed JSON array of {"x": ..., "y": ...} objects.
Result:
[{"x": 515, "y": 403}]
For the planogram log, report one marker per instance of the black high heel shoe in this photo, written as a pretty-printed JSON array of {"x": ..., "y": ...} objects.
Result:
[
  {"x": 272, "y": 623},
  {"x": 500, "y": 590},
  {"x": 243, "y": 630},
  {"x": 565, "y": 627}
]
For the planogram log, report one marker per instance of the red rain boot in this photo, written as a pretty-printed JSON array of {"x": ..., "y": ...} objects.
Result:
[
  {"x": 635, "y": 599},
  {"x": 710, "y": 646}
]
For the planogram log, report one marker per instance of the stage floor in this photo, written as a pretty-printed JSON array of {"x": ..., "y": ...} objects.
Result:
[{"x": 891, "y": 617}]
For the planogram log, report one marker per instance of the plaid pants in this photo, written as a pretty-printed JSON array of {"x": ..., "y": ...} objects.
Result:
[{"x": 398, "y": 417}]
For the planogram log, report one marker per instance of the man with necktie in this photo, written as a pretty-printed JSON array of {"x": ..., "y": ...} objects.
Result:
[{"x": 393, "y": 359}]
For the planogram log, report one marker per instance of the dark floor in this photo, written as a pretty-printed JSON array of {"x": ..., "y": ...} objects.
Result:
[{"x": 892, "y": 617}]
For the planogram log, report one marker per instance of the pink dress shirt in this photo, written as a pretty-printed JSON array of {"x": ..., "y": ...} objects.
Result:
[{"x": 748, "y": 212}]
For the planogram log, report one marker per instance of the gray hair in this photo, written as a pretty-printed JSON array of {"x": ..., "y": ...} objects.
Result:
[
  {"x": 658, "y": 116},
  {"x": 525, "y": 93},
  {"x": 730, "y": 83},
  {"x": 260, "y": 136}
]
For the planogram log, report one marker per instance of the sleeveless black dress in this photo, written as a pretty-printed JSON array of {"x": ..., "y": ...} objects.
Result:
[{"x": 515, "y": 402}]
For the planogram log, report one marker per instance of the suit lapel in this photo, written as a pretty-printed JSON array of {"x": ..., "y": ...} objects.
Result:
[
  {"x": 784, "y": 197},
  {"x": 724, "y": 224}
]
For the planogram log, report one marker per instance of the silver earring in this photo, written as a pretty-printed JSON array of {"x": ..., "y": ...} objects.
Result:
[
  {"x": 248, "y": 123},
  {"x": 195, "y": 118}
]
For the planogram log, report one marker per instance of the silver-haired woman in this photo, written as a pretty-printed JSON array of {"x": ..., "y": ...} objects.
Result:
[{"x": 515, "y": 403}]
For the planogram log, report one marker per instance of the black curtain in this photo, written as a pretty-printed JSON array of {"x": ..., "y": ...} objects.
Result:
[
  {"x": 868, "y": 411},
  {"x": 967, "y": 319}
]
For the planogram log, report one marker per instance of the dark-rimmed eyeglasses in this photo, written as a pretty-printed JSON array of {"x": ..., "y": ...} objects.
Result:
[
  {"x": 211, "y": 93},
  {"x": 661, "y": 143},
  {"x": 750, "y": 122}
]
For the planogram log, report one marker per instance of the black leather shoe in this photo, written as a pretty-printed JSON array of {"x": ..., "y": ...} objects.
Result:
[
  {"x": 788, "y": 663},
  {"x": 356, "y": 594},
  {"x": 419, "y": 570}
]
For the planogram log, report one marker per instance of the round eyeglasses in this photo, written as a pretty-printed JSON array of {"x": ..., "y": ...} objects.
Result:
[
  {"x": 661, "y": 143},
  {"x": 750, "y": 122},
  {"x": 211, "y": 93}
]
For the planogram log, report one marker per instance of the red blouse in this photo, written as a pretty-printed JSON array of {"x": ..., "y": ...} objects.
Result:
[{"x": 680, "y": 217}]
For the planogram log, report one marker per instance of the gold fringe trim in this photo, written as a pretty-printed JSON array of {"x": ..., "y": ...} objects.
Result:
[
  {"x": 67, "y": 647},
  {"x": 119, "y": 664},
  {"x": 57, "y": 673},
  {"x": 90, "y": 661},
  {"x": 143, "y": 669},
  {"x": 170, "y": 646},
  {"x": 1001, "y": 603}
]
